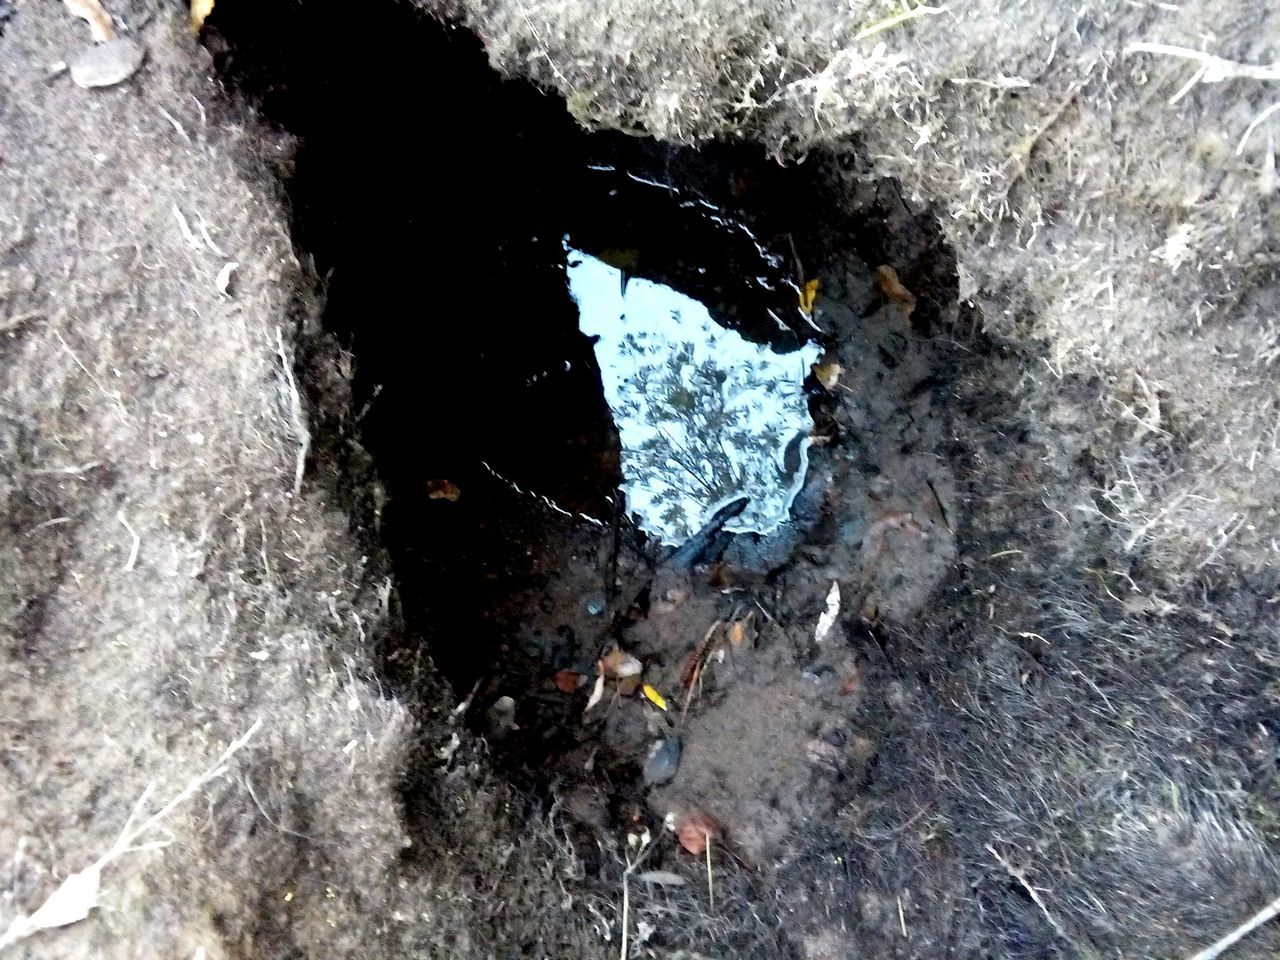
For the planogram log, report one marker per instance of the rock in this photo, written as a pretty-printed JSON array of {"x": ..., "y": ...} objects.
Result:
[
  {"x": 663, "y": 761},
  {"x": 107, "y": 63}
]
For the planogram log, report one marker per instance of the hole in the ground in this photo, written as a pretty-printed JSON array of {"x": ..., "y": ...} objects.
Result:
[{"x": 539, "y": 317}]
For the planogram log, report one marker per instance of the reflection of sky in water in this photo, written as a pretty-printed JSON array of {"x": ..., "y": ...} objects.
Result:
[{"x": 704, "y": 415}]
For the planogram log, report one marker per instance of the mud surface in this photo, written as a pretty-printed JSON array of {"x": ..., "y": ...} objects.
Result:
[
  {"x": 368, "y": 493},
  {"x": 518, "y": 563}
]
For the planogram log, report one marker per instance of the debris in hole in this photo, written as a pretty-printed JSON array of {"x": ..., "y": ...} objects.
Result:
[
  {"x": 654, "y": 697},
  {"x": 502, "y": 717},
  {"x": 696, "y": 830},
  {"x": 662, "y": 762},
  {"x": 827, "y": 619},
  {"x": 891, "y": 287},
  {"x": 567, "y": 681},
  {"x": 741, "y": 630},
  {"x": 704, "y": 415},
  {"x": 809, "y": 295},
  {"x": 443, "y": 490}
]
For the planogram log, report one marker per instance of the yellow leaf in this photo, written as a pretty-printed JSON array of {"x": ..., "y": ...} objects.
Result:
[
  {"x": 654, "y": 697},
  {"x": 809, "y": 294},
  {"x": 200, "y": 9}
]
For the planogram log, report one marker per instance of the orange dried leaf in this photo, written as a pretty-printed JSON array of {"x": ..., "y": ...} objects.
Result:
[
  {"x": 891, "y": 287},
  {"x": 809, "y": 294},
  {"x": 695, "y": 830},
  {"x": 567, "y": 681},
  {"x": 740, "y": 631},
  {"x": 443, "y": 490}
]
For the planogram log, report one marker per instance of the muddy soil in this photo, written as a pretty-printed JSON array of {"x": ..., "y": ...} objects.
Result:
[{"x": 371, "y": 493}]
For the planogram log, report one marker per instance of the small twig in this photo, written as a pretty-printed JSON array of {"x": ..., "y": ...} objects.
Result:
[
  {"x": 711, "y": 890},
  {"x": 1264, "y": 915},
  {"x": 1032, "y": 892}
]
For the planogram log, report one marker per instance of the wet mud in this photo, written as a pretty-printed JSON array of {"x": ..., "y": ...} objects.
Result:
[{"x": 521, "y": 571}]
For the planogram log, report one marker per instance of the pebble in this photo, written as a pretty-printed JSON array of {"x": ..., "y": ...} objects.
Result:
[
  {"x": 107, "y": 63},
  {"x": 663, "y": 761}
]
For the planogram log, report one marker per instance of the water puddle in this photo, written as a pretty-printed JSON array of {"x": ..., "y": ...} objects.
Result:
[{"x": 704, "y": 415}]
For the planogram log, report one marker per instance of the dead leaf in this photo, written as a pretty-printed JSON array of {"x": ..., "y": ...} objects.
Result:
[
  {"x": 695, "y": 830},
  {"x": 567, "y": 681},
  {"x": 809, "y": 294},
  {"x": 442, "y": 490},
  {"x": 827, "y": 619},
  {"x": 741, "y": 630},
  {"x": 889, "y": 284},
  {"x": 597, "y": 692},
  {"x": 627, "y": 686},
  {"x": 827, "y": 374},
  {"x": 101, "y": 26},
  {"x": 654, "y": 697},
  {"x": 200, "y": 10},
  {"x": 618, "y": 664}
]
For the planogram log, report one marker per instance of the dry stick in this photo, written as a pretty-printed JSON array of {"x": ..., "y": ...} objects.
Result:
[
  {"x": 711, "y": 892},
  {"x": 626, "y": 897},
  {"x": 1271, "y": 910}
]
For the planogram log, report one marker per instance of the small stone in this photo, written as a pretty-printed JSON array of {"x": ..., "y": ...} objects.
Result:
[
  {"x": 663, "y": 761},
  {"x": 107, "y": 63}
]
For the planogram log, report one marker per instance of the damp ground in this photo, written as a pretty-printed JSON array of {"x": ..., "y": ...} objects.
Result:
[{"x": 522, "y": 571}]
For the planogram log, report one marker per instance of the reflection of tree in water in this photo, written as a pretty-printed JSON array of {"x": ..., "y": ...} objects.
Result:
[
  {"x": 707, "y": 436},
  {"x": 703, "y": 414}
]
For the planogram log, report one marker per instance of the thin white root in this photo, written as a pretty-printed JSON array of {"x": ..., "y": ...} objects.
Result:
[{"x": 1267, "y": 913}]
